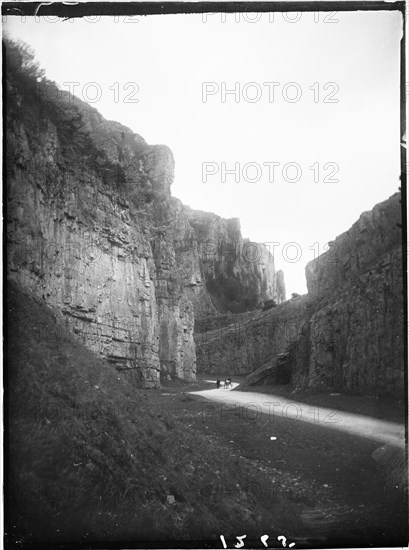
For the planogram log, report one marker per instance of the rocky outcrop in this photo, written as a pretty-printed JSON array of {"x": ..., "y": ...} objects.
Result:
[
  {"x": 355, "y": 335},
  {"x": 347, "y": 334},
  {"x": 278, "y": 370},
  {"x": 280, "y": 287},
  {"x": 238, "y": 274},
  {"x": 94, "y": 231},
  {"x": 83, "y": 247},
  {"x": 376, "y": 234},
  {"x": 247, "y": 344}
]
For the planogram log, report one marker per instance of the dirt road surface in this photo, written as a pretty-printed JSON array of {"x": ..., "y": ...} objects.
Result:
[
  {"x": 390, "y": 433},
  {"x": 324, "y": 481}
]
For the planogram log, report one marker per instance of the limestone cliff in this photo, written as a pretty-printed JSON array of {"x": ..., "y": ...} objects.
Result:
[
  {"x": 94, "y": 231},
  {"x": 375, "y": 234},
  {"x": 238, "y": 274},
  {"x": 246, "y": 344},
  {"x": 347, "y": 334},
  {"x": 280, "y": 287},
  {"x": 355, "y": 336}
]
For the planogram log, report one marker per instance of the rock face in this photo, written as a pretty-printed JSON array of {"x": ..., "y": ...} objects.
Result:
[
  {"x": 239, "y": 274},
  {"x": 347, "y": 334},
  {"x": 276, "y": 371},
  {"x": 249, "y": 343},
  {"x": 94, "y": 231},
  {"x": 280, "y": 287},
  {"x": 374, "y": 235},
  {"x": 355, "y": 335}
]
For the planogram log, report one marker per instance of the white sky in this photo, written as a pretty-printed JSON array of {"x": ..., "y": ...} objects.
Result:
[{"x": 170, "y": 57}]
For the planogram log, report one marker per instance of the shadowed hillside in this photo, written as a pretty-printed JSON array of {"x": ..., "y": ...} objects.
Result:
[{"x": 92, "y": 458}]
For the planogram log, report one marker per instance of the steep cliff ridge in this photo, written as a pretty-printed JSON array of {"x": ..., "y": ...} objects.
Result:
[
  {"x": 93, "y": 230},
  {"x": 375, "y": 234},
  {"x": 238, "y": 274},
  {"x": 355, "y": 336}
]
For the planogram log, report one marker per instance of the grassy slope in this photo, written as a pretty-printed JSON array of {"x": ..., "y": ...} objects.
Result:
[{"x": 88, "y": 455}]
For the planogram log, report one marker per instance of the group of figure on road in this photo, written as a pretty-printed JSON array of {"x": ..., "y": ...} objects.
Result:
[{"x": 224, "y": 384}]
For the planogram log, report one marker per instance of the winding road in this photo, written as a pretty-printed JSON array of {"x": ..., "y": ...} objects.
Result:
[{"x": 255, "y": 403}]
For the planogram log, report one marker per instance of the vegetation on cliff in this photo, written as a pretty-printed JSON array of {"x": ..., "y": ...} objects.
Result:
[{"x": 86, "y": 141}]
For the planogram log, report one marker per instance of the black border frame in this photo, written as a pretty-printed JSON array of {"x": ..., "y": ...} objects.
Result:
[{"x": 79, "y": 10}]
